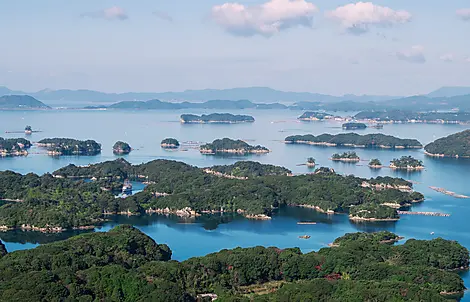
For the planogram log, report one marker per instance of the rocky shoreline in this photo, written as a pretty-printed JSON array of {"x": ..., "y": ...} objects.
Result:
[{"x": 357, "y": 218}]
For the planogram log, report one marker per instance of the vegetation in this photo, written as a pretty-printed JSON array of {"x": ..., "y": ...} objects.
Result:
[
  {"x": 28, "y": 129},
  {"x": 311, "y": 161},
  {"x": 69, "y": 146},
  {"x": 404, "y": 116},
  {"x": 373, "y": 212},
  {"x": 406, "y": 162},
  {"x": 121, "y": 148},
  {"x": 170, "y": 143},
  {"x": 14, "y": 146},
  {"x": 354, "y": 126},
  {"x": 126, "y": 265},
  {"x": 375, "y": 162},
  {"x": 21, "y": 102},
  {"x": 315, "y": 116},
  {"x": 455, "y": 145},
  {"x": 347, "y": 156},
  {"x": 250, "y": 169},
  {"x": 355, "y": 140},
  {"x": 225, "y": 118},
  {"x": 227, "y": 145}
]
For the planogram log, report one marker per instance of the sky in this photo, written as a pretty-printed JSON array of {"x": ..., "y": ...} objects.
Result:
[{"x": 395, "y": 47}]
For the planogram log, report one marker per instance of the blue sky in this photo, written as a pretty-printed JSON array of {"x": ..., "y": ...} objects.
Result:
[{"x": 396, "y": 47}]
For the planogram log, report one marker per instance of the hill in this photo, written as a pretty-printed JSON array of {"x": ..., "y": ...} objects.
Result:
[
  {"x": 21, "y": 102},
  {"x": 449, "y": 91},
  {"x": 455, "y": 145}
]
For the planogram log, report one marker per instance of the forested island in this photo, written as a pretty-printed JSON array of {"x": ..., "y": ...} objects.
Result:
[
  {"x": 121, "y": 148},
  {"x": 170, "y": 143},
  {"x": 124, "y": 264},
  {"x": 354, "y": 126},
  {"x": 407, "y": 163},
  {"x": 227, "y": 145},
  {"x": 69, "y": 146},
  {"x": 21, "y": 102},
  {"x": 375, "y": 163},
  {"x": 349, "y": 156},
  {"x": 66, "y": 200},
  {"x": 404, "y": 116},
  {"x": 455, "y": 145},
  {"x": 355, "y": 140},
  {"x": 216, "y": 118},
  {"x": 14, "y": 147},
  {"x": 311, "y": 162},
  {"x": 315, "y": 116}
]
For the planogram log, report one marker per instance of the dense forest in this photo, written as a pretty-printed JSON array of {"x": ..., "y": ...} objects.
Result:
[
  {"x": 14, "y": 146},
  {"x": 347, "y": 156},
  {"x": 126, "y": 265},
  {"x": 121, "y": 148},
  {"x": 406, "y": 162},
  {"x": 354, "y": 126},
  {"x": 170, "y": 143},
  {"x": 413, "y": 116},
  {"x": 375, "y": 163},
  {"x": 455, "y": 145},
  {"x": 315, "y": 116},
  {"x": 250, "y": 169},
  {"x": 223, "y": 118},
  {"x": 227, "y": 145},
  {"x": 355, "y": 140},
  {"x": 70, "y": 146}
]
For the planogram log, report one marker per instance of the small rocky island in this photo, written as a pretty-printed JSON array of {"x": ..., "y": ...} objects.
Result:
[
  {"x": 311, "y": 162},
  {"x": 121, "y": 148},
  {"x": 354, "y": 126},
  {"x": 28, "y": 130},
  {"x": 216, "y": 118},
  {"x": 70, "y": 146},
  {"x": 14, "y": 147},
  {"x": 170, "y": 143},
  {"x": 406, "y": 163},
  {"x": 315, "y": 116},
  {"x": 378, "y": 140},
  {"x": 455, "y": 145},
  {"x": 227, "y": 145},
  {"x": 375, "y": 163},
  {"x": 349, "y": 156}
]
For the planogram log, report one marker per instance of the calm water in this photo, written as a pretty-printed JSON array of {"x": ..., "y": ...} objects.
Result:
[{"x": 144, "y": 131}]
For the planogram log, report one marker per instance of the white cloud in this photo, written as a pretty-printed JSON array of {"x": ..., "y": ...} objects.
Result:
[
  {"x": 266, "y": 19},
  {"x": 358, "y": 18},
  {"x": 414, "y": 55},
  {"x": 112, "y": 13},
  {"x": 464, "y": 14},
  {"x": 448, "y": 57}
]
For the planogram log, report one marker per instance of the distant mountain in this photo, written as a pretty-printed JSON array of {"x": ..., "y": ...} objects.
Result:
[
  {"x": 258, "y": 94},
  {"x": 449, "y": 92},
  {"x": 212, "y": 104},
  {"x": 21, "y": 102}
]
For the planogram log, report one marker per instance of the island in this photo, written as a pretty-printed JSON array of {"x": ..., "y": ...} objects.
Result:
[
  {"x": 354, "y": 126},
  {"x": 170, "y": 143},
  {"x": 126, "y": 263},
  {"x": 375, "y": 163},
  {"x": 28, "y": 130},
  {"x": 404, "y": 116},
  {"x": 67, "y": 199},
  {"x": 311, "y": 162},
  {"x": 455, "y": 145},
  {"x": 379, "y": 140},
  {"x": 315, "y": 116},
  {"x": 216, "y": 118},
  {"x": 69, "y": 146},
  {"x": 21, "y": 102},
  {"x": 227, "y": 145},
  {"x": 14, "y": 147},
  {"x": 406, "y": 163},
  {"x": 373, "y": 212},
  {"x": 349, "y": 156},
  {"x": 121, "y": 148}
]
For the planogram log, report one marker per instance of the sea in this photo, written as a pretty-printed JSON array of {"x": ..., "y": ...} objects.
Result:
[{"x": 144, "y": 130}]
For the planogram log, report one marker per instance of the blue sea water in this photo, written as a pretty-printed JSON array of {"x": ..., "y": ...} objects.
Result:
[{"x": 144, "y": 130}]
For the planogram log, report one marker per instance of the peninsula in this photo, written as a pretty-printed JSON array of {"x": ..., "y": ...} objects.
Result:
[
  {"x": 121, "y": 148},
  {"x": 455, "y": 145},
  {"x": 170, "y": 143},
  {"x": 346, "y": 157},
  {"x": 355, "y": 140},
  {"x": 216, "y": 118},
  {"x": 126, "y": 263},
  {"x": 227, "y": 145},
  {"x": 69, "y": 146},
  {"x": 406, "y": 163},
  {"x": 14, "y": 147}
]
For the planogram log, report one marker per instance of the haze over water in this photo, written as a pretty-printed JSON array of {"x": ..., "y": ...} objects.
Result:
[{"x": 144, "y": 130}]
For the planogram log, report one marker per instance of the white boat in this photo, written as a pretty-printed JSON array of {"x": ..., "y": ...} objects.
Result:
[{"x": 127, "y": 188}]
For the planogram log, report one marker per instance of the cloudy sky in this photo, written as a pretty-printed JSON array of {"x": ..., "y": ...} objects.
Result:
[{"x": 395, "y": 47}]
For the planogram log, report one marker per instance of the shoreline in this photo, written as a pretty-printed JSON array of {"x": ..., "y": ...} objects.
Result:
[{"x": 326, "y": 144}]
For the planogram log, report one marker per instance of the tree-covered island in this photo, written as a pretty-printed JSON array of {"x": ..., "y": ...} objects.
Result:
[
  {"x": 121, "y": 148},
  {"x": 354, "y": 126},
  {"x": 311, "y": 162},
  {"x": 170, "y": 143},
  {"x": 65, "y": 200},
  {"x": 404, "y": 116},
  {"x": 355, "y": 140},
  {"x": 215, "y": 118},
  {"x": 455, "y": 145},
  {"x": 14, "y": 147},
  {"x": 349, "y": 156},
  {"x": 375, "y": 163},
  {"x": 124, "y": 264},
  {"x": 406, "y": 163},
  {"x": 315, "y": 116},
  {"x": 28, "y": 130},
  {"x": 227, "y": 145},
  {"x": 69, "y": 146}
]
